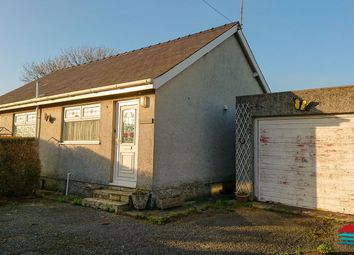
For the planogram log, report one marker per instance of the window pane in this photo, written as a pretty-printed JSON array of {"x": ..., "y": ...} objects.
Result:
[
  {"x": 20, "y": 119},
  {"x": 25, "y": 124},
  {"x": 25, "y": 131},
  {"x": 91, "y": 111},
  {"x": 81, "y": 130},
  {"x": 31, "y": 118},
  {"x": 128, "y": 126},
  {"x": 73, "y": 113}
]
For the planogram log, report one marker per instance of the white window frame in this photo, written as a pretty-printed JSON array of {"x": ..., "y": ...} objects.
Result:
[
  {"x": 81, "y": 118},
  {"x": 90, "y": 117},
  {"x": 68, "y": 119},
  {"x": 26, "y": 122}
]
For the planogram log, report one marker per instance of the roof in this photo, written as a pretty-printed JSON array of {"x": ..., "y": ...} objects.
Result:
[{"x": 149, "y": 62}]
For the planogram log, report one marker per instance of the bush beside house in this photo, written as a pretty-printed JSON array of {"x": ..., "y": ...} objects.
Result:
[{"x": 19, "y": 166}]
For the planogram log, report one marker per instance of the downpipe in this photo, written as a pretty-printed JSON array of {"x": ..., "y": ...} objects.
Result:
[{"x": 67, "y": 183}]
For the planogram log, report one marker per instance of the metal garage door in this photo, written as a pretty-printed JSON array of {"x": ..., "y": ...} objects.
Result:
[{"x": 306, "y": 162}]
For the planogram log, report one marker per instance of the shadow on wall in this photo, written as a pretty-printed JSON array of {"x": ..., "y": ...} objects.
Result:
[
  {"x": 299, "y": 160},
  {"x": 85, "y": 165}
]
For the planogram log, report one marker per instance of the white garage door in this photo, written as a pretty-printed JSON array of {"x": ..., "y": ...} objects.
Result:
[{"x": 306, "y": 162}]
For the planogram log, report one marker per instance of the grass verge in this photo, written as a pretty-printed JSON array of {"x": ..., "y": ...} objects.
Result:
[{"x": 55, "y": 196}]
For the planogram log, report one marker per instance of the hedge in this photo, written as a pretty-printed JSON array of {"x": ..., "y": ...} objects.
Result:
[{"x": 19, "y": 166}]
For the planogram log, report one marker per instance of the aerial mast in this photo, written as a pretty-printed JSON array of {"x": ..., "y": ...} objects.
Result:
[{"x": 241, "y": 14}]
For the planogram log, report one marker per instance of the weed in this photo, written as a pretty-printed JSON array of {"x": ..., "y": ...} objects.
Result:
[
  {"x": 173, "y": 214},
  {"x": 320, "y": 230},
  {"x": 298, "y": 251},
  {"x": 111, "y": 210},
  {"x": 156, "y": 219},
  {"x": 325, "y": 248},
  {"x": 64, "y": 199},
  {"x": 219, "y": 204},
  {"x": 200, "y": 210},
  {"x": 77, "y": 201},
  {"x": 248, "y": 204}
]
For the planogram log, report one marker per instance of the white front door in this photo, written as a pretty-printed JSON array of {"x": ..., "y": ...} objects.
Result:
[{"x": 126, "y": 144}]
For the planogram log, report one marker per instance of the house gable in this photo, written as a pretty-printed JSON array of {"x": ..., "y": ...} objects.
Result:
[
  {"x": 236, "y": 30},
  {"x": 194, "y": 127}
]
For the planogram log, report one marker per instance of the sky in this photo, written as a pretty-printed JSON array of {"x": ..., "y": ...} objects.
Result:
[{"x": 298, "y": 44}]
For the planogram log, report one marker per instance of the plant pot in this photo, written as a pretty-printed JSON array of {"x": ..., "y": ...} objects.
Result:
[
  {"x": 140, "y": 200},
  {"x": 242, "y": 198}
]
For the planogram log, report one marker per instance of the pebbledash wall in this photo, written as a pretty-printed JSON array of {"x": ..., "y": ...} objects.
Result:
[
  {"x": 90, "y": 165},
  {"x": 194, "y": 133},
  {"x": 330, "y": 101}
]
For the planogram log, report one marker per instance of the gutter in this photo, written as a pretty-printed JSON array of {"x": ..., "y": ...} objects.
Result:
[{"x": 121, "y": 88}]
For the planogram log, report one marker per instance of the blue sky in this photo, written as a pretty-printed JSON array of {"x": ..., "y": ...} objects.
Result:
[{"x": 297, "y": 43}]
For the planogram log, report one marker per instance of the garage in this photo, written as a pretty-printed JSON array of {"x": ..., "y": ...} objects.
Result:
[
  {"x": 306, "y": 162},
  {"x": 297, "y": 148}
]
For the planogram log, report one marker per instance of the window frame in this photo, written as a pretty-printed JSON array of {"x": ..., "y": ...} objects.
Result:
[
  {"x": 81, "y": 118},
  {"x": 25, "y": 122}
]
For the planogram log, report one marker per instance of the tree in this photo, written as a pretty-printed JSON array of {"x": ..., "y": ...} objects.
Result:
[{"x": 68, "y": 58}]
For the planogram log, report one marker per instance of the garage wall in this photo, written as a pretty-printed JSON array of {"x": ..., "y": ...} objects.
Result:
[
  {"x": 327, "y": 102},
  {"x": 306, "y": 161}
]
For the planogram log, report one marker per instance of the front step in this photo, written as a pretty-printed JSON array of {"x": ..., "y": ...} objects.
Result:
[
  {"x": 105, "y": 204},
  {"x": 112, "y": 194}
]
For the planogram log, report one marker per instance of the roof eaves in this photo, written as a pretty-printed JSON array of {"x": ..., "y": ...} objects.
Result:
[
  {"x": 121, "y": 88},
  {"x": 252, "y": 61}
]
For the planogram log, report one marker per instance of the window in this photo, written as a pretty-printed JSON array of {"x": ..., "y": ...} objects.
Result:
[
  {"x": 82, "y": 123},
  {"x": 128, "y": 126},
  {"x": 25, "y": 124}
]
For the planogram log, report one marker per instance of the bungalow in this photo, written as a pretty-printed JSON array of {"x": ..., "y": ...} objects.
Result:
[{"x": 158, "y": 118}]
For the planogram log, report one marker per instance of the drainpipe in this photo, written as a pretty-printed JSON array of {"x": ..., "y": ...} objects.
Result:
[
  {"x": 67, "y": 183},
  {"x": 38, "y": 113}
]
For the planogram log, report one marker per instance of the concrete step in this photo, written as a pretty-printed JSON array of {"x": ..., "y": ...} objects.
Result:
[
  {"x": 120, "y": 188},
  {"x": 105, "y": 204},
  {"x": 114, "y": 195}
]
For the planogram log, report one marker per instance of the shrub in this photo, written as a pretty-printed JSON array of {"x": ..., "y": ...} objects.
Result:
[
  {"x": 19, "y": 166},
  {"x": 324, "y": 248}
]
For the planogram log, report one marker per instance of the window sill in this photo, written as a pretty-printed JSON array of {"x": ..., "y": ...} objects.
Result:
[{"x": 80, "y": 143}]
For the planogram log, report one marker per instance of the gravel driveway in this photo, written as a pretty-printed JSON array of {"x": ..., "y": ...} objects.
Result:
[{"x": 38, "y": 226}]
